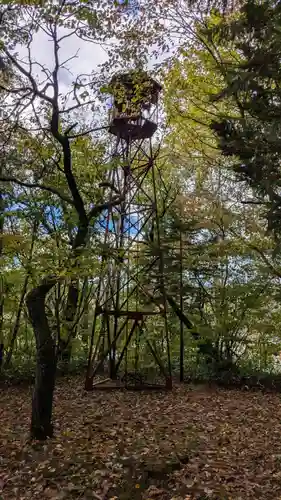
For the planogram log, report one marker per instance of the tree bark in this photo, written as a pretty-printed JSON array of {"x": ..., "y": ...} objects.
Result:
[
  {"x": 42, "y": 400},
  {"x": 2, "y": 213},
  {"x": 181, "y": 308},
  {"x": 22, "y": 297},
  {"x": 73, "y": 297},
  {"x": 85, "y": 321},
  {"x": 70, "y": 314},
  {"x": 17, "y": 323}
]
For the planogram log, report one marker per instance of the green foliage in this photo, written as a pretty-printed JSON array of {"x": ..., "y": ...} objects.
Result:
[
  {"x": 226, "y": 292},
  {"x": 224, "y": 83},
  {"x": 253, "y": 83}
]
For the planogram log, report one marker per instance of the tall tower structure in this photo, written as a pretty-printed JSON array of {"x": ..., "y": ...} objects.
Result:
[{"x": 125, "y": 310}]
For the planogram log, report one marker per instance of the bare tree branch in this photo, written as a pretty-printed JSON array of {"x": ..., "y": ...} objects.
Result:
[
  {"x": 89, "y": 131},
  {"x": 29, "y": 76},
  {"x": 97, "y": 209},
  {"x": 39, "y": 186},
  {"x": 266, "y": 260}
]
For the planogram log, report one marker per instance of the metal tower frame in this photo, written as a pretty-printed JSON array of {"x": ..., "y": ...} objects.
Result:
[{"x": 120, "y": 315}]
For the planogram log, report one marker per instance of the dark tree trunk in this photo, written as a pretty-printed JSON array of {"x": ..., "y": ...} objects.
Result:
[
  {"x": 2, "y": 212},
  {"x": 85, "y": 321},
  {"x": 22, "y": 297},
  {"x": 73, "y": 297},
  {"x": 181, "y": 308},
  {"x": 42, "y": 401},
  {"x": 17, "y": 322},
  {"x": 70, "y": 314},
  {"x": 101, "y": 369},
  {"x": 205, "y": 346}
]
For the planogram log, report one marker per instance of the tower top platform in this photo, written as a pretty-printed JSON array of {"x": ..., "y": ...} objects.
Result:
[{"x": 136, "y": 96}]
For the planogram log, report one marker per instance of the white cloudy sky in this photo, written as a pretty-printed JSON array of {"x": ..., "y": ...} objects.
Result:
[{"x": 88, "y": 56}]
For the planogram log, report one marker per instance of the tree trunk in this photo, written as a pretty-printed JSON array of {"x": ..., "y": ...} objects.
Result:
[
  {"x": 72, "y": 297},
  {"x": 42, "y": 401},
  {"x": 85, "y": 320},
  {"x": 22, "y": 297},
  {"x": 70, "y": 314},
  {"x": 17, "y": 322},
  {"x": 206, "y": 347},
  {"x": 2, "y": 214},
  {"x": 181, "y": 308}
]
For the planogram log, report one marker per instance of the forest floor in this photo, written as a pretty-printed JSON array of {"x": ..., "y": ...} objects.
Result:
[{"x": 191, "y": 443}]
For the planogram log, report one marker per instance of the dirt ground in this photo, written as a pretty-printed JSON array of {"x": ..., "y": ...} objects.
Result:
[{"x": 191, "y": 443}]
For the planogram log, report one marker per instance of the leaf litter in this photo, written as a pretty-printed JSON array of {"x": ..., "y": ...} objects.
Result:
[{"x": 191, "y": 443}]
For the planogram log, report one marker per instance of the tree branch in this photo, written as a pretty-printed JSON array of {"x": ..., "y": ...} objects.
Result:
[
  {"x": 36, "y": 185},
  {"x": 29, "y": 76},
  {"x": 261, "y": 254},
  {"x": 266, "y": 261},
  {"x": 253, "y": 202},
  {"x": 64, "y": 140},
  {"x": 97, "y": 209},
  {"x": 89, "y": 131}
]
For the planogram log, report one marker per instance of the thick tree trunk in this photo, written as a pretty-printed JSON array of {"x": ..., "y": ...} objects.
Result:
[{"x": 42, "y": 401}]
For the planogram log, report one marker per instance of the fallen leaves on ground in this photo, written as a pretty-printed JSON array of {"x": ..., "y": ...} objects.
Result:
[{"x": 191, "y": 443}]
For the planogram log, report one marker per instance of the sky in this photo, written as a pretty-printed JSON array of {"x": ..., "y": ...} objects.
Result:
[{"x": 88, "y": 56}]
